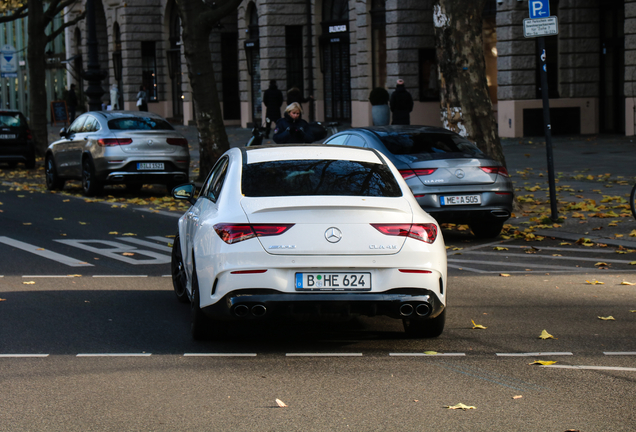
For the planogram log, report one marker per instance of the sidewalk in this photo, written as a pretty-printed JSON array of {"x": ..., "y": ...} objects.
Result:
[{"x": 594, "y": 174}]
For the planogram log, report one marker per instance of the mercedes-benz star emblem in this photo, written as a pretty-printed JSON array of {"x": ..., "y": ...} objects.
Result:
[
  {"x": 460, "y": 174},
  {"x": 333, "y": 235}
]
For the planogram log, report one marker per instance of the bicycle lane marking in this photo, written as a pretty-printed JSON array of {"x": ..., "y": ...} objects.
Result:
[{"x": 36, "y": 250}]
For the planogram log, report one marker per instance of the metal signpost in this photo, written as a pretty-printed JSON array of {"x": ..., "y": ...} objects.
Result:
[{"x": 541, "y": 24}]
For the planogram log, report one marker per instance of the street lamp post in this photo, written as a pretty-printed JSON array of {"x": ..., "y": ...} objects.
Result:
[{"x": 93, "y": 74}]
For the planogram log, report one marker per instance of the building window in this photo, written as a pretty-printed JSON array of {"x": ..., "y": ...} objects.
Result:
[
  {"x": 429, "y": 85},
  {"x": 294, "y": 54},
  {"x": 149, "y": 69}
]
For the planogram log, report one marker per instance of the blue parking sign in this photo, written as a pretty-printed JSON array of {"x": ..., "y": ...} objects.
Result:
[{"x": 539, "y": 8}]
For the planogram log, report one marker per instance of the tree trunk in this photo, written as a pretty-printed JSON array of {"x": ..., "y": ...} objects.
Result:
[
  {"x": 36, "y": 62},
  {"x": 465, "y": 103},
  {"x": 197, "y": 21}
]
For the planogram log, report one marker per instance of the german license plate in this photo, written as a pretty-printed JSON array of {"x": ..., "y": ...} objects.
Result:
[
  {"x": 7, "y": 136},
  {"x": 150, "y": 166},
  {"x": 333, "y": 281},
  {"x": 460, "y": 199}
]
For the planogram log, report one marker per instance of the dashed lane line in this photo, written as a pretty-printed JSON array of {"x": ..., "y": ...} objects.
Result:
[
  {"x": 219, "y": 355},
  {"x": 534, "y": 354},
  {"x": 22, "y": 355},
  {"x": 619, "y": 353},
  {"x": 62, "y": 259},
  {"x": 427, "y": 355},
  {"x": 147, "y": 244},
  {"x": 323, "y": 355},
  {"x": 120, "y": 276},
  {"x": 115, "y": 355},
  {"x": 548, "y": 257},
  {"x": 509, "y": 264}
]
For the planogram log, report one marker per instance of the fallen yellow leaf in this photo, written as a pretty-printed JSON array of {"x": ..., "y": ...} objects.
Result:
[
  {"x": 601, "y": 264},
  {"x": 430, "y": 352},
  {"x": 609, "y": 318},
  {"x": 129, "y": 234},
  {"x": 478, "y": 326},
  {"x": 517, "y": 397},
  {"x": 627, "y": 283},
  {"x": 460, "y": 406},
  {"x": 29, "y": 223},
  {"x": 504, "y": 274},
  {"x": 500, "y": 248},
  {"x": 58, "y": 218},
  {"x": 543, "y": 362},
  {"x": 28, "y": 283},
  {"x": 113, "y": 232},
  {"x": 1, "y": 299},
  {"x": 565, "y": 244},
  {"x": 632, "y": 263},
  {"x": 557, "y": 255},
  {"x": 281, "y": 403},
  {"x": 128, "y": 254},
  {"x": 546, "y": 335},
  {"x": 595, "y": 282}
]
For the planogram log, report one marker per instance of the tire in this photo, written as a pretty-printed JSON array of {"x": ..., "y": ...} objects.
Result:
[
  {"x": 424, "y": 329},
  {"x": 632, "y": 201},
  {"x": 90, "y": 185},
  {"x": 12, "y": 165},
  {"x": 53, "y": 181},
  {"x": 486, "y": 229},
  {"x": 178, "y": 272}
]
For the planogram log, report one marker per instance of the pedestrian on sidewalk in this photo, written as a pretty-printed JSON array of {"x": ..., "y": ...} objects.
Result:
[
  {"x": 71, "y": 103},
  {"x": 401, "y": 104},
  {"x": 273, "y": 99},
  {"x": 295, "y": 95},
  {"x": 142, "y": 99},
  {"x": 292, "y": 129}
]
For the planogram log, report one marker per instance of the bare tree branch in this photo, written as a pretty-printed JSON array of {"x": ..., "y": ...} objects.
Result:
[
  {"x": 60, "y": 7},
  {"x": 16, "y": 14},
  {"x": 216, "y": 13},
  {"x": 57, "y": 32}
]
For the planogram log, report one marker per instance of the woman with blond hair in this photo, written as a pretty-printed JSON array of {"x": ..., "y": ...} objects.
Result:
[{"x": 292, "y": 129}]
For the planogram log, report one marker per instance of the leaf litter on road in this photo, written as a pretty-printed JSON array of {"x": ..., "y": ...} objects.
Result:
[
  {"x": 543, "y": 362},
  {"x": 478, "y": 326},
  {"x": 545, "y": 335},
  {"x": 608, "y": 318}
]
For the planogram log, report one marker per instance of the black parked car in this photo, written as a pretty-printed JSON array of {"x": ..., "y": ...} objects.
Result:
[{"x": 16, "y": 141}]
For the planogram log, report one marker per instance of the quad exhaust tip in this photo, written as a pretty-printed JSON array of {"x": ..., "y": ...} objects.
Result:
[
  {"x": 259, "y": 310},
  {"x": 422, "y": 309},
  {"x": 406, "y": 309},
  {"x": 241, "y": 310}
]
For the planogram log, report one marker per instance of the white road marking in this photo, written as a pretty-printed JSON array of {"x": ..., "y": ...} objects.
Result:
[
  {"x": 609, "y": 368},
  {"x": 510, "y": 264},
  {"x": 62, "y": 259},
  {"x": 549, "y": 257},
  {"x": 161, "y": 212},
  {"x": 120, "y": 276},
  {"x": 323, "y": 354},
  {"x": 427, "y": 355},
  {"x": 48, "y": 276},
  {"x": 565, "y": 249},
  {"x": 451, "y": 252},
  {"x": 22, "y": 355},
  {"x": 219, "y": 355},
  {"x": 116, "y": 250},
  {"x": 628, "y": 353},
  {"x": 147, "y": 244},
  {"x": 116, "y": 355},
  {"x": 534, "y": 354},
  {"x": 459, "y": 267},
  {"x": 166, "y": 240}
]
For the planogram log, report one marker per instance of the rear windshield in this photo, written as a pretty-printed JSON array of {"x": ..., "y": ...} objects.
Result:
[
  {"x": 319, "y": 177},
  {"x": 139, "y": 123},
  {"x": 10, "y": 120},
  {"x": 429, "y": 145}
]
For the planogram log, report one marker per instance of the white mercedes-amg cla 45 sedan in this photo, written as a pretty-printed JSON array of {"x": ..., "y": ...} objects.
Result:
[{"x": 302, "y": 229}]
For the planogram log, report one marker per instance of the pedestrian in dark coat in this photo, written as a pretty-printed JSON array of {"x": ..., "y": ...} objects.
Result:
[
  {"x": 71, "y": 102},
  {"x": 294, "y": 95},
  {"x": 292, "y": 129},
  {"x": 273, "y": 99},
  {"x": 142, "y": 99},
  {"x": 401, "y": 104}
]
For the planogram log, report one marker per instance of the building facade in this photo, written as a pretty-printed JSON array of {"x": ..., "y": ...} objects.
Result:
[{"x": 337, "y": 51}]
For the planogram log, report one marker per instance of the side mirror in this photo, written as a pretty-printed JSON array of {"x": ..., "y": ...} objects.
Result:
[
  {"x": 185, "y": 192},
  {"x": 63, "y": 132}
]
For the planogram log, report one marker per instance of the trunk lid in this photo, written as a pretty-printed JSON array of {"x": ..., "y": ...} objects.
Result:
[{"x": 317, "y": 218}]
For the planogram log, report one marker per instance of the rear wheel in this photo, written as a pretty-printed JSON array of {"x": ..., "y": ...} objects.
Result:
[
  {"x": 486, "y": 229},
  {"x": 90, "y": 185},
  {"x": 430, "y": 328},
  {"x": 178, "y": 272},
  {"x": 30, "y": 162},
  {"x": 53, "y": 181},
  {"x": 12, "y": 165}
]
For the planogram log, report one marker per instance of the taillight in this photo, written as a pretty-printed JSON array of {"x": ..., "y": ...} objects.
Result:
[
  {"x": 108, "y": 142},
  {"x": 408, "y": 173},
  {"x": 425, "y": 232},
  {"x": 234, "y": 233},
  {"x": 496, "y": 170},
  {"x": 28, "y": 134},
  {"x": 181, "y": 142}
]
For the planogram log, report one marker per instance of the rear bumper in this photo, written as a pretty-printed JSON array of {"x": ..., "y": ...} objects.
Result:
[
  {"x": 468, "y": 214},
  {"x": 257, "y": 304}
]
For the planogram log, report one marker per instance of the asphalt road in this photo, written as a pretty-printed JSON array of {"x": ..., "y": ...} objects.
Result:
[{"x": 106, "y": 346}]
